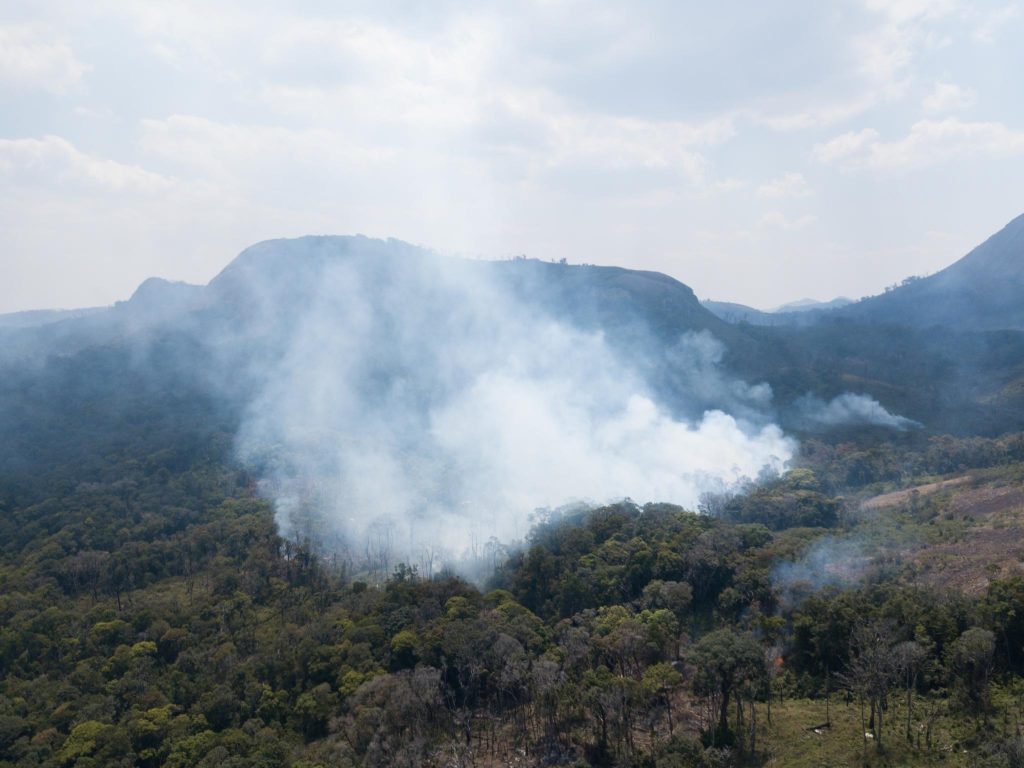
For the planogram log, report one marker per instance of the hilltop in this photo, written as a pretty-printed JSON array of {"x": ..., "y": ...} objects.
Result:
[{"x": 984, "y": 290}]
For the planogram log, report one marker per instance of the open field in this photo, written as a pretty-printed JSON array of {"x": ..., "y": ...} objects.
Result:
[
  {"x": 895, "y": 498},
  {"x": 955, "y": 741},
  {"x": 957, "y": 533}
]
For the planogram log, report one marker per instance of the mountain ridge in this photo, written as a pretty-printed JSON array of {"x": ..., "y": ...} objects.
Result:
[
  {"x": 983, "y": 290},
  {"x": 250, "y": 312}
]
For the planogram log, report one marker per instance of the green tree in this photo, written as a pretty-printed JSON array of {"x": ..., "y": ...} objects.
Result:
[{"x": 724, "y": 660}]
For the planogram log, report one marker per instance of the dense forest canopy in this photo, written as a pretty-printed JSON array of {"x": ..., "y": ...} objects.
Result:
[{"x": 152, "y": 615}]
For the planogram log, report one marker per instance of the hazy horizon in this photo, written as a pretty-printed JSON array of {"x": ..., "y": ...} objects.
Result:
[
  {"x": 881, "y": 140},
  {"x": 793, "y": 302}
]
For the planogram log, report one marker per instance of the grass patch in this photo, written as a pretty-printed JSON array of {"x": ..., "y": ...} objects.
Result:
[{"x": 790, "y": 742}]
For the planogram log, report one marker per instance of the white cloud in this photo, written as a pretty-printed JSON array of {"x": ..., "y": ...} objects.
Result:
[
  {"x": 820, "y": 115},
  {"x": 846, "y": 145},
  {"x": 53, "y": 160},
  {"x": 623, "y": 143},
  {"x": 911, "y": 11},
  {"x": 36, "y": 57},
  {"x": 787, "y": 185},
  {"x": 540, "y": 139},
  {"x": 778, "y": 220},
  {"x": 948, "y": 97},
  {"x": 928, "y": 143},
  {"x": 990, "y": 24},
  {"x": 462, "y": 104},
  {"x": 886, "y": 54},
  {"x": 730, "y": 185},
  {"x": 492, "y": 129},
  {"x": 224, "y": 150},
  {"x": 880, "y": 64}
]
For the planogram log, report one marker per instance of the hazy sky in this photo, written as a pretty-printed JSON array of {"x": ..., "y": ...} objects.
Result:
[{"x": 759, "y": 152}]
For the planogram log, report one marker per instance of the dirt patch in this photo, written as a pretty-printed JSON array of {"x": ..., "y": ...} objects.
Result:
[
  {"x": 898, "y": 497},
  {"x": 984, "y": 502},
  {"x": 973, "y": 561},
  {"x": 984, "y": 537}
]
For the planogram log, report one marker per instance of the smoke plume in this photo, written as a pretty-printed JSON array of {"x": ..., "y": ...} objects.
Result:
[
  {"x": 848, "y": 409},
  {"x": 829, "y": 561},
  {"x": 425, "y": 395}
]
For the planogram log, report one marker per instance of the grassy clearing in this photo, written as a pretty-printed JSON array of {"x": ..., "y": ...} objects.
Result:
[{"x": 790, "y": 742}]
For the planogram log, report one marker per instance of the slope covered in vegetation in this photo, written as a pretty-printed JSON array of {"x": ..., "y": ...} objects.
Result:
[
  {"x": 864, "y": 606},
  {"x": 152, "y": 615}
]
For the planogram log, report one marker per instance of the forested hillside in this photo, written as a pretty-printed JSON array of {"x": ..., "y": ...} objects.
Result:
[
  {"x": 980, "y": 291},
  {"x": 186, "y": 578},
  {"x": 153, "y": 615},
  {"x": 960, "y": 379}
]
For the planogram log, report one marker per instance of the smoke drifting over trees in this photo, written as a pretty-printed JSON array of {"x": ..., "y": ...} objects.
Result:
[
  {"x": 848, "y": 409},
  {"x": 398, "y": 408},
  {"x": 427, "y": 394}
]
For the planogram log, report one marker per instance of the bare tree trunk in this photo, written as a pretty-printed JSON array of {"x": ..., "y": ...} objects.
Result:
[
  {"x": 753, "y": 727},
  {"x": 878, "y": 733},
  {"x": 739, "y": 721},
  {"x": 863, "y": 728},
  {"x": 910, "y": 704},
  {"x": 828, "y": 707}
]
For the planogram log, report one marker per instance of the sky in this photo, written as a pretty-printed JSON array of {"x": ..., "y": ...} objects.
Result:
[{"x": 758, "y": 152}]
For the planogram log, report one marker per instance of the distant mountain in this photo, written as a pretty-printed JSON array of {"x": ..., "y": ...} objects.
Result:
[
  {"x": 158, "y": 299},
  {"x": 732, "y": 312},
  {"x": 800, "y": 312},
  {"x": 35, "y": 317},
  {"x": 278, "y": 272},
  {"x": 252, "y": 309},
  {"x": 641, "y": 315},
  {"x": 983, "y": 291},
  {"x": 809, "y": 305},
  {"x": 223, "y": 336},
  {"x": 268, "y": 282},
  {"x": 32, "y": 336}
]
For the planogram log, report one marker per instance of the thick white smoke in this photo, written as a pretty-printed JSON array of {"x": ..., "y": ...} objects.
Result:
[
  {"x": 849, "y": 409},
  {"x": 427, "y": 394}
]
